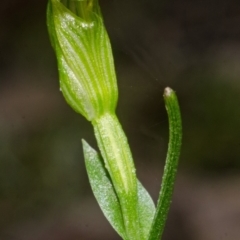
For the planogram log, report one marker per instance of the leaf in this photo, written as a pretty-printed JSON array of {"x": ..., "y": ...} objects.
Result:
[
  {"x": 170, "y": 169},
  {"x": 103, "y": 189},
  {"x": 107, "y": 199},
  {"x": 146, "y": 210}
]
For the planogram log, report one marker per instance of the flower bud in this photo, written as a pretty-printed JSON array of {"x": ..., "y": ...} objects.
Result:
[{"x": 84, "y": 55}]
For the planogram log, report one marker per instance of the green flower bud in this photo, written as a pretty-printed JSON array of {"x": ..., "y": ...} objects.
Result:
[{"x": 84, "y": 55}]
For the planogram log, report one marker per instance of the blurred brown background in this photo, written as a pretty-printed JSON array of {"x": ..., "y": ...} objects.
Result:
[{"x": 192, "y": 46}]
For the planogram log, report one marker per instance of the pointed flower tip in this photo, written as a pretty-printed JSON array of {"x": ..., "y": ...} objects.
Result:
[{"x": 85, "y": 9}]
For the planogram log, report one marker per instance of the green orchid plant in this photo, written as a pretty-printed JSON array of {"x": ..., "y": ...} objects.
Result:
[{"x": 88, "y": 83}]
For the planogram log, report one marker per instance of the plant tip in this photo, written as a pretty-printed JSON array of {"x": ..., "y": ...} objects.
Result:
[{"x": 167, "y": 92}]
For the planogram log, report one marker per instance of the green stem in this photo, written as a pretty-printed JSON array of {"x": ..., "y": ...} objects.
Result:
[
  {"x": 119, "y": 163},
  {"x": 170, "y": 169}
]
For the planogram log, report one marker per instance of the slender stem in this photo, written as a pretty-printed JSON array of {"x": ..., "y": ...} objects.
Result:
[
  {"x": 119, "y": 163},
  {"x": 170, "y": 169}
]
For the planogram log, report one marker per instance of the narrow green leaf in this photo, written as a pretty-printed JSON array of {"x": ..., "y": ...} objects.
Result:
[
  {"x": 146, "y": 209},
  {"x": 106, "y": 196},
  {"x": 170, "y": 169},
  {"x": 103, "y": 189}
]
